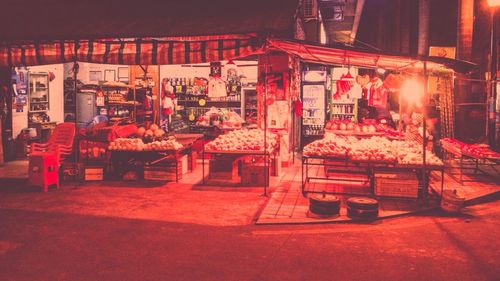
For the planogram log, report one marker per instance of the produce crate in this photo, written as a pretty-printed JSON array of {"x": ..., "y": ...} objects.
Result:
[
  {"x": 255, "y": 174},
  {"x": 183, "y": 164},
  {"x": 70, "y": 171},
  {"x": 162, "y": 173},
  {"x": 223, "y": 168},
  {"x": 396, "y": 185},
  {"x": 93, "y": 173}
]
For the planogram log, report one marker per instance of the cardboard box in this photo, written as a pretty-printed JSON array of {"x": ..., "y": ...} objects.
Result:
[
  {"x": 254, "y": 174},
  {"x": 276, "y": 166},
  {"x": 93, "y": 173},
  {"x": 223, "y": 168},
  {"x": 162, "y": 173},
  {"x": 183, "y": 163},
  {"x": 396, "y": 185}
]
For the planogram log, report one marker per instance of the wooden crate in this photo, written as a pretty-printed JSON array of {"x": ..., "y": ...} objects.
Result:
[
  {"x": 162, "y": 173},
  {"x": 93, "y": 173},
  {"x": 396, "y": 185}
]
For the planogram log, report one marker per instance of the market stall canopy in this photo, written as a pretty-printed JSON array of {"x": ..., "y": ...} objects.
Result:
[
  {"x": 142, "y": 51},
  {"x": 44, "y": 20},
  {"x": 345, "y": 55}
]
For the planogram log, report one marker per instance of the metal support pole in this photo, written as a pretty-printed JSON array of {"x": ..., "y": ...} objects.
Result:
[
  {"x": 424, "y": 142},
  {"x": 492, "y": 111},
  {"x": 265, "y": 130}
]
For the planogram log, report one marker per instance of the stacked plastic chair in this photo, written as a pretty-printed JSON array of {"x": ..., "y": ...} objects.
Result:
[{"x": 45, "y": 158}]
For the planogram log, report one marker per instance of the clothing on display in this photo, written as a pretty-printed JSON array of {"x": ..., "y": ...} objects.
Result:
[{"x": 216, "y": 88}]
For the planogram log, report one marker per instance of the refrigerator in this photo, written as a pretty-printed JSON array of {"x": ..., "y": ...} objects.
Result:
[
  {"x": 314, "y": 109},
  {"x": 86, "y": 109}
]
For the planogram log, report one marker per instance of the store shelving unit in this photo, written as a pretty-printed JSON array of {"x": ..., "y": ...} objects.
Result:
[{"x": 38, "y": 97}]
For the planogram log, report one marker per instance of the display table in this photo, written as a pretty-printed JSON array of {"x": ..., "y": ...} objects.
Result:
[
  {"x": 241, "y": 153},
  {"x": 123, "y": 160},
  {"x": 362, "y": 171},
  {"x": 468, "y": 161}
]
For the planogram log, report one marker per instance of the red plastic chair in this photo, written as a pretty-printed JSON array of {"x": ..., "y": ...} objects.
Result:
[{"x": 61, "y": 140}]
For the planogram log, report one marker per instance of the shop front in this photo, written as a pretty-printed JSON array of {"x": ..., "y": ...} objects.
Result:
[{"x": 243, "y": 104}]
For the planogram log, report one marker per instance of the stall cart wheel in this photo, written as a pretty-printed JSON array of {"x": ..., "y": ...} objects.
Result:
[
  {"x": 324, "y": 205},
  {"x": 362, "y": 208}
]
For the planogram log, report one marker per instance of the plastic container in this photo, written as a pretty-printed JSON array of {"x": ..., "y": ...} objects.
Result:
[{"x": 451, "y": 202}]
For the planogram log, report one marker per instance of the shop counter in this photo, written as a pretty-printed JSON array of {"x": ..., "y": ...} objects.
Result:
[
  {"x": 234, "y": 156},
  {"x": 363, "y": 172}
]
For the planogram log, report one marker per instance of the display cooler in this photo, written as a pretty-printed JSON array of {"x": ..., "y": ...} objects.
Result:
[{"x": 314, "y": 109}]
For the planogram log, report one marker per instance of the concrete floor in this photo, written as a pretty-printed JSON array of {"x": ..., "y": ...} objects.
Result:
[
  {"x": 181, "y": 231},
  {"x": 42, "y": 245}
]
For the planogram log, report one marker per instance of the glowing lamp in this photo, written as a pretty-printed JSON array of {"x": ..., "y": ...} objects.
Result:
[
  {"x": 381, "y": 71},
  {"x": 412, "y": 91},
  {"x": 493, "y": 3}
]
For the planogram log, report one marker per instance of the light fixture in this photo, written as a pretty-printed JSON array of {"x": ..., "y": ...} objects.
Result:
[
  {"x": 493, "y": 3},
  {"x": 381, "y": 71},
  {"x": 412, "y": 91}
]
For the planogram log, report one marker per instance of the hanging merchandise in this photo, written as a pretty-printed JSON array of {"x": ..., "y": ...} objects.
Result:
[
  {"x": 215, "y": 69},
  {"x": 167, "y": 97},
  {"x": 343, "y": 85},
  {"x": 363, "y": 80},
  {"x": 356, "y": 91},
  {"x": 297, "y": 106},
  {"x": 377, "y": 93},
  {"x": 393, "y": 82},
  {"x": 99, "y": 100},
  {"x": 216, "y": 87}
]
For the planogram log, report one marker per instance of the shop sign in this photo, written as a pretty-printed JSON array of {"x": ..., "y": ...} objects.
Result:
[{"x": 444, "y": 52}]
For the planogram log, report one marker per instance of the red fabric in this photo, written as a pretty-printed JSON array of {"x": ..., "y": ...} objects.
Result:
[
  {"x": 297, "y": 106},
  {"x": 169, "y": 50}
]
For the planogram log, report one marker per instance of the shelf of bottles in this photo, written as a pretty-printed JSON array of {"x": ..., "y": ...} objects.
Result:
[
  {"x": 313, "y": 112},
  {"x": 251, "y": 108},
  {"x": 143, "y": 87},
  {"x": 38, "y": 97},
  {"x": 118, "y": 103},
  {"x": 344, "y": 110},
  {"x": 192, "y": 97}
]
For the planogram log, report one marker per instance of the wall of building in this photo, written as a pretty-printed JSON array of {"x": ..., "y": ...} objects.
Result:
[
  {"x": 56, "y": 98},
  {"x": 85, "y": 69},
  {"x": 246, "y": 68}
]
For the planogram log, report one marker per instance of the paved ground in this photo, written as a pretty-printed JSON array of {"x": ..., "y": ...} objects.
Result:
[
  {"x": 58, "y": 245},
  {"x": 119, "y": 231}
]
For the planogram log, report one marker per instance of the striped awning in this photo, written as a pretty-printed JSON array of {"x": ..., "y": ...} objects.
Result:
[{"x": 143, "y": 51}]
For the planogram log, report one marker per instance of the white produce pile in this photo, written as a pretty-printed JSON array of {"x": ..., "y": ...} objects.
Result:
[
  {"x": 375, "y": 148},
  {"x": 136, "y": 144},
  {"x": 238, "y": 140}
]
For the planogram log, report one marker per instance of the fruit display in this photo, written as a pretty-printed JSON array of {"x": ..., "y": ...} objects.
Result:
[
  {"x": 373, "y": 149},
  {"x": 230, "y": 119},
  {"x": 332, "y": 146},
  {"x": 350, "y": 128},
  {"x": 346, "y": 127},
  {"x": 243, "y": 140},
  {"x": 473, "y": 150},
  {"x": 136, "y": 144},
  {"x": 377, "y": 149},
  {"x": 154, "y": 133}
]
